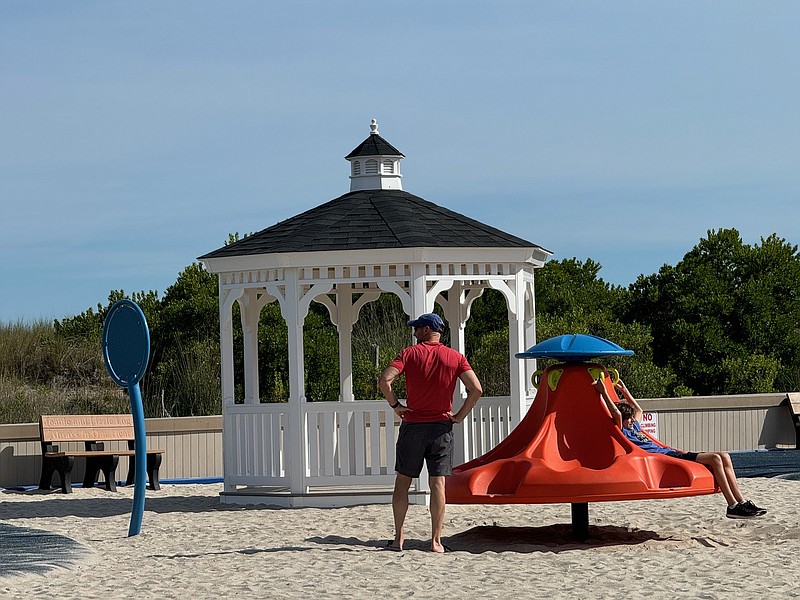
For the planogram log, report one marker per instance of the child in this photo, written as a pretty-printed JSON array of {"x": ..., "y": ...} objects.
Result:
[{"x": 627, "y": 414}]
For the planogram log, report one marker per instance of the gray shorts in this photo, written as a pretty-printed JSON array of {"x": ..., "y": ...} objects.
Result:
[{"x": 431, "y": 442}]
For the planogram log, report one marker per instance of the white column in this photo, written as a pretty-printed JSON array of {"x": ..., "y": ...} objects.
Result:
[
  {"x": 530, "y": 332},
  {"x": 345, "y": 319},
  {"x": 419, "y": 289},
  {"x": 249, "y": 315},
  {"x": 226, "y": 300},
  {"x": 295, "y": 434},
  {"x": 455, "y": 311},
  {"x": 516, "y": 339}
]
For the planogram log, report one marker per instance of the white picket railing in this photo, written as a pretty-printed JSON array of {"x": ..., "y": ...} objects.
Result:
[
  {"x": 487, "y": 425},
  {"x": 254, "y": 444},
  {"x": 346, "y": 443}
]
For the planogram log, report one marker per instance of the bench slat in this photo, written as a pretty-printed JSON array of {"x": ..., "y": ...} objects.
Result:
[
  {"x": 102, "y": 453},
  {"x": 68, "y": 428}
]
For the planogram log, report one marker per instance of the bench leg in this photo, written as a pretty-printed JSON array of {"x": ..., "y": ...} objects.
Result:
[
  {"x": 131, "y": 471},
  {"x": 48, "y": 468},
  {"x": 61, "y": 465},
  {"x": 153, "y": 465},
  {"x": 106, "y": 464}
]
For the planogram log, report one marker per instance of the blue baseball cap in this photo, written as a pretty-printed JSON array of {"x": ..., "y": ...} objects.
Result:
[{"x": 431, "y": 320}]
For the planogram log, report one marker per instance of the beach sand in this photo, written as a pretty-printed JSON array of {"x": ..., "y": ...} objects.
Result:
[{"x": 191, "y": 546}]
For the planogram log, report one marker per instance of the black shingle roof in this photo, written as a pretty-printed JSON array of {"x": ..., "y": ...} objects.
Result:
[
  {"x": 374, "y": 145},
  {"x": 372, "y": 219}
]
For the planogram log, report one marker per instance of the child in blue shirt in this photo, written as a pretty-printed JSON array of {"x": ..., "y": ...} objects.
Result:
[{"x": 627, "y": 414}]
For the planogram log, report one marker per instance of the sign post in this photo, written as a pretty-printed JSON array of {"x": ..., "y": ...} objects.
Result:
[{"x": 126, "y": 352}]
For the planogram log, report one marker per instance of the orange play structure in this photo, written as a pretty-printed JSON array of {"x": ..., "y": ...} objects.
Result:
[{"x": 567, "y": 449}]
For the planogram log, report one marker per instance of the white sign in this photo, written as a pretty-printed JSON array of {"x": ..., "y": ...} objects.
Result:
[{"x": 649, "y": 423}]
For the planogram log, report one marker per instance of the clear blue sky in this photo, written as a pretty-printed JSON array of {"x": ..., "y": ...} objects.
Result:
[{"x": 135, "y": 136}]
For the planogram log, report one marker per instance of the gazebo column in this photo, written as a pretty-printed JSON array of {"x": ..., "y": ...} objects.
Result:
[
  {"x": 344, "y": 314},
  {"x": 516, "y": 343},
  {"x": 464, "y": 300},
  {"x": 419, "y": 305},
  {"x": 227, "y": 298},
  {"x": 456, "y": 311},
  {"x": 530, "y": 333},
  {"x": 295, "y": 434},
  {"x": 515, "y": 302},
  {"x": 250, "y": 310},
  {"x": 345, "y": 320}
]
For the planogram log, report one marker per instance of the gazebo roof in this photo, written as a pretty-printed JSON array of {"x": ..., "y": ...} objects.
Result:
[{"x": 372, "y": 219}]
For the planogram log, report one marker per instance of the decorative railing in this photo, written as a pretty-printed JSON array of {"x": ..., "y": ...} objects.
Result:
[
  {"x": 346, "y": 443},
  {"x": 254, "y": 444},
  {"x": 349, "y": 441}
]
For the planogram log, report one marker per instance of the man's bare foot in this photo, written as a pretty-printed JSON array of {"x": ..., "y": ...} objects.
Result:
[
  {"x": 437, "y": 547},
  {"x": 396, "y": 545}
]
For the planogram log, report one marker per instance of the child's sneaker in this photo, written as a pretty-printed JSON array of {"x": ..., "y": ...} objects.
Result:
[
  {"x": 740, "y": 511},
  {"x": 757, "y": 510}
]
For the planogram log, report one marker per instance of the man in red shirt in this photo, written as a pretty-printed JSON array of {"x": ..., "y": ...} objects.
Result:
[{"x": 432, "y": 370}]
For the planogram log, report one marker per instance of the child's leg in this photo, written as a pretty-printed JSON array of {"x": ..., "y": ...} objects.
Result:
[{"x": 715, "y": 464}]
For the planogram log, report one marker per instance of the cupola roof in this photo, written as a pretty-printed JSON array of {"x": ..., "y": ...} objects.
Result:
[{"x": 374, "y": 145}]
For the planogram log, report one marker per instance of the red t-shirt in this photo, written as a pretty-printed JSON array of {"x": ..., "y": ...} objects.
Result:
[{"x": 431, "y": 370}]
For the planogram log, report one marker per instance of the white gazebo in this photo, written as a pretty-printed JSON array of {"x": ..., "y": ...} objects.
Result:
[{"x": 343, "y": 254}]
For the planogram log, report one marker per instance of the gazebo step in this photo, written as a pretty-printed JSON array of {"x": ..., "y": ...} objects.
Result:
[{"x": 322, "y": 497}]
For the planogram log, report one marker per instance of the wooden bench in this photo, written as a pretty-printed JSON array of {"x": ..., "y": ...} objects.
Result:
[{"x": 94, "y": 431}]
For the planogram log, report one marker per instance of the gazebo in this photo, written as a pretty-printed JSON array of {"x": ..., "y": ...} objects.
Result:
[{"x": 343, "y": 254}]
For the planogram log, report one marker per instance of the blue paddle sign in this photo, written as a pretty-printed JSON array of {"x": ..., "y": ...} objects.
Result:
[{"x": 126, "y": 351}]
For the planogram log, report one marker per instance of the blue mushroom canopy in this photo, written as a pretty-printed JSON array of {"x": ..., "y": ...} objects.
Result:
[{"x": 574, "y": 347}]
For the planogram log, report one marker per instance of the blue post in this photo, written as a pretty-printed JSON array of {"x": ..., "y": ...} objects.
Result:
[{"x": 140, "y": 441}]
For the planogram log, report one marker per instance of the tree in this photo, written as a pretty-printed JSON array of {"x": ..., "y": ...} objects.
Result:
[
  {"x": 185, "y": 347},
  {"x": 569, "y": 285},
  {"x": 724, "y": 318}
]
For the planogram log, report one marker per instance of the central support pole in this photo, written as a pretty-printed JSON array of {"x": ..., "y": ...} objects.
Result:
[{"x": 580, "y": 520}]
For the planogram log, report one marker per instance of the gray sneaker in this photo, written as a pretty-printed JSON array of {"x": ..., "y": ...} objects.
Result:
[{"x": 740, "y": 511}]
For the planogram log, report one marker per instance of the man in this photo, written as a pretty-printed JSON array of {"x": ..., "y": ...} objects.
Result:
[
  {"x": 627, "y": 415},
  {"x": 432, "y": 370}
]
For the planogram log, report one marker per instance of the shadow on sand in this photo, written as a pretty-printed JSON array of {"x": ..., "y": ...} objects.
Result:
[
  {"x": 488, "y": 538},
  {"x": 55, "y": 504},
  {"x": 27, "y": 550}
]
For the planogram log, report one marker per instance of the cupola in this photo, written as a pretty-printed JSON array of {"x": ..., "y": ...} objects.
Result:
[{"x": 375, "y": 164}]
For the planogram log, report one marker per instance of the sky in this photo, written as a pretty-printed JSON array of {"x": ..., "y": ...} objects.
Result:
[{"x": 136, "y": 136}]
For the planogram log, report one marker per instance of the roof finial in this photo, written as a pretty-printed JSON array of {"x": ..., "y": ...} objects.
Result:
[{"x": 373, "y": 127}]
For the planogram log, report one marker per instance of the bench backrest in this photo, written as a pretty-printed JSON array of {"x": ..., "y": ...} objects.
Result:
[{"x": 80, "y": 428}]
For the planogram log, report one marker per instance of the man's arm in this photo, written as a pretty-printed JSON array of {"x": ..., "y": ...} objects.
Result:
[
  {"x": 474, "y": 392},
  {"x": 385, "y": 384},
  {"x": 600, "y": 386}
]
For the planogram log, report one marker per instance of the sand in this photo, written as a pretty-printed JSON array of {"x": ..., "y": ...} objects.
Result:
[{"x": 191, "y": 546}]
